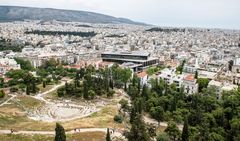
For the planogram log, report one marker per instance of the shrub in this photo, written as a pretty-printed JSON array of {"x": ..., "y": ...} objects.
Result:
[
  {"x": 118, "y": 118},
  {"x": 163, "y": 137},
  {"x": 13, "y": 89},
  {"x": 2, "y": 94}
]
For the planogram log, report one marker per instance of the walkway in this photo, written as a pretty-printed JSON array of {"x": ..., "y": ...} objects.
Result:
[
  {"x": 6, "y": 102},
  {"x": 78, "y": 130}
]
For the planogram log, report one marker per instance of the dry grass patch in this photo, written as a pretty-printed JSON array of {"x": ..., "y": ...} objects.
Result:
[
  {"x": 13, "y": 116},
  {"x": 160, "y": 129},
  {"x": 48, "y": 87},
  {"x": 101, "y": 119},
  {"x": 87, "y": 136},
  {"x": 27, "y": 102}
]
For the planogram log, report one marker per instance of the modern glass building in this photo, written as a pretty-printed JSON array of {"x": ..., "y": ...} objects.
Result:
[{"x": 137, "y": 57}]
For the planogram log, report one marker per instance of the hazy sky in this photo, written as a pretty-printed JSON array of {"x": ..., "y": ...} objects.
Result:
[{"x": 187, "y": 13}]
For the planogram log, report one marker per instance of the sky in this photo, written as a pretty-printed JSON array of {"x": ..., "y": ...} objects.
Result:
[{"x": 174, "y": 13}]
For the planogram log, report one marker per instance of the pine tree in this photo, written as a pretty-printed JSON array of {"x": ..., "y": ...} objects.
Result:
[
  {"x": 173, "y": 131},
  {"x": 108, "y": 138},
  {"x": 60, "y": 133},
  {"x": 185, "y": 134},
  {"x": 138, "y": 131}
]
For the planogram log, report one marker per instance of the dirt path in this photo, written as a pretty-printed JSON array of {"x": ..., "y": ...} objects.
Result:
[
  {"x": 78, "y": 130},
  {"x": 40, "y": 96},
  {"x": 153, "y": 121},
  {"x": 5, "y": 102}
]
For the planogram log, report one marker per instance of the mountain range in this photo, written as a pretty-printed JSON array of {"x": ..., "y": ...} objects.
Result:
[{"x": 16, "y": 13}]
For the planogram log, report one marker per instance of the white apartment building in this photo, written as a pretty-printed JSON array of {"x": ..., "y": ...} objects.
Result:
[
  {"x": 7, "y": 64},
  {"x": 236, "y": 66},
  {"x": 220, "y": 87},
  {"x": 190, "y": 84},
  {"x": 143, "y": 77},
  {"x": 169, "y": 76}
]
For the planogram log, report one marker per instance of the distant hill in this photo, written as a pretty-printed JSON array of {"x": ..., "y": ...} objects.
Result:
[{"x": 15, "y": 13}]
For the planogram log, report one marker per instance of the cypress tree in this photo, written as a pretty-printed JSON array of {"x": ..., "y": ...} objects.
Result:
[
  {"x": 34, "y": 87},
  {"x": 111, "y": 83},
  {"x": 108, "y": 138},
  {"x": 85, "y": 90},
  {"x": 185, "y": 134},
  {"x": 44, "y": 83},
  {"x": 145, "y": 92},
  {"x": 60, "y": 133},
  {"x": 196, "y": 74},
  {"x": 27, "y": 90}
]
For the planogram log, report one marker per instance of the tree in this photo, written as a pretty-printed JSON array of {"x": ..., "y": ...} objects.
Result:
[
  {"x": 27, "y": 90},
  {"x": 13, "y": 89},
  {"x": 60, "y": 92},
  {"x": 124, "y": 105},
  {"x": 1, "y": 82},
  {"x": 108, "y": 138},
  {"x": 118, "y": 118},
  {"x": 25, "y": 64},
  {"x": 81, "y": 73},
  {"x": 230, "y": 64},
  {"x": 173, "y": 131},
  {"x": 44, "y": 83},
  {"x": 138, "y": 130},
  {"x": 196, "y": 74},
  {"x": 16, "y": 74},
  {"x": 180, "y": 67},
  {"x": 157, "y": 113},
  {"x": 2, "y": 94},
  {"x": 59, "y": 133},
  {"x": 91, "y": 94},
  {"x": 163, "y": 137},
  {"x": 152, "y": 70},
  {"x": 34, "y": 88},
  {"x": 203, "y": 83},
  {"x": 145, "y": 92},
  {"x": 85, "y": 90},
  {"x": 185, "y": 132}
]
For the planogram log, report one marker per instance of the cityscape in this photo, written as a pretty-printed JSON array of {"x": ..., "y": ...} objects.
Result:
[{"x": 81, "y": 76}]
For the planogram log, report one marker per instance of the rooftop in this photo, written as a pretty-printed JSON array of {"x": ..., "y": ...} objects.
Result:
[
  {"x": 142, "y": 74},
  {"x": 189, "y": 77},
  {"x": 215, "y": 83},
  {"x": 129, "y": 53}
]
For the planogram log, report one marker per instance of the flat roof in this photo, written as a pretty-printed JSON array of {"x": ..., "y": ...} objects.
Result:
[
  {"x": 132, "y": 60},
  {"x": 215, "y": 83},
  {"x": 207, "y": 74},
  {"x": 132, "y": 53}
]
